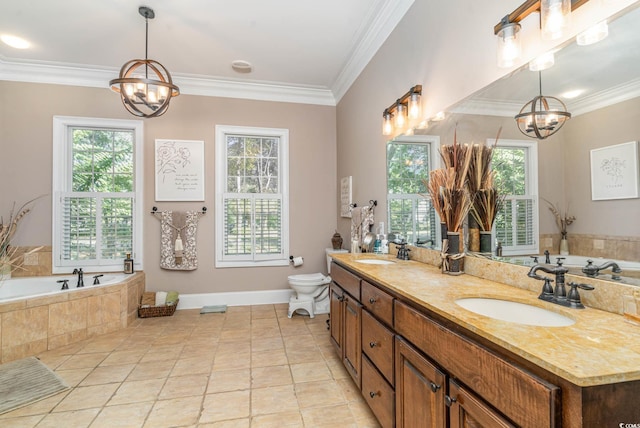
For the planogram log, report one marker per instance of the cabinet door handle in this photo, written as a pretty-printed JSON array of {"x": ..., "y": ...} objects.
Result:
[
  {"x": 341, "y": 298},
  {"x": 372, "y": 300},
  {"x": 434, "y": 387},
  {"x": 449, "y": 400},
  {"x": 372, "y": 344},
  {"x": 373, "y": 394}
]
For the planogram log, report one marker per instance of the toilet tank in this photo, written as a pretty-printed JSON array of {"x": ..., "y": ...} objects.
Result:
[{"x": 330, "y": 251}]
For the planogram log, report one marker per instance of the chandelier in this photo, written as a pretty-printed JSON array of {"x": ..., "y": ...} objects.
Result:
[
  {"x": 542, "y": 116},
  {"x": 145, "y": 85}
]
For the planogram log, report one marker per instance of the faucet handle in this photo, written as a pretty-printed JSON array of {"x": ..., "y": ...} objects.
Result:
[
  {"x": 547, "y": 290},
  {"x": 535, "y": 259},
  {"x": 65, "y": 284},
  {"x": 559, "y": 260},
  {"x": 573, "y": 298}
]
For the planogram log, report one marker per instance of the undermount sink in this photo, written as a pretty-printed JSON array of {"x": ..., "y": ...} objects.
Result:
[
  {"x": 515, "y": 312},
  {"x": 375, "y": 262}
]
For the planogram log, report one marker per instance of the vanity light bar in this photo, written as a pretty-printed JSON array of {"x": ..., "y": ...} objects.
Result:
[
  {"x": 525, "y": 9},
  {"x": 406, "y": 108}
]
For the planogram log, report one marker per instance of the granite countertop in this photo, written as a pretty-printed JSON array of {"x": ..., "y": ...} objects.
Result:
[{"x": 599, "y": 348}]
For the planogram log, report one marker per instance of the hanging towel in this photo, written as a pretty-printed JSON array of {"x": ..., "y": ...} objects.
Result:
[
  {"x": 178, "y": 240},
  {"x": 356, "y": 225}
]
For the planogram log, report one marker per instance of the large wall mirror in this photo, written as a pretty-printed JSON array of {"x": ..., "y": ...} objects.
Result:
[{"x": 600, "y": 85}]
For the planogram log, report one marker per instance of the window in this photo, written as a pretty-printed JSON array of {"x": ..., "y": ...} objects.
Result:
[
  {"x": 97, "y": 203},
  {"x": 516, "y": 167},
  {"x": 252, "y": 188},
  {"x": 410, "y": 213}
]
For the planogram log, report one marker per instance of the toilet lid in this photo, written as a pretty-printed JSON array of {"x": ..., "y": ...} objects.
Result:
[{"x": 308, "y": 278}]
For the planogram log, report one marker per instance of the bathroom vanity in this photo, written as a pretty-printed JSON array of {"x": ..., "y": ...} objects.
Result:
[{"x": 420, "y": 359}]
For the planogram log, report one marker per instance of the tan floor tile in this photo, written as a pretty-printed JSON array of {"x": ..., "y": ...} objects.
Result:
[
  {"x": 299, "y": 341},
  {"x": 22, "y": 421},
  {"x": 309, "y": 372},
  {"x": 269, "y": 358},
  {"x": 175, "y": 412},
  {"x": 230, "y": 335},
  {"x": 229, "y": 380},
  {"x": 137, "y": 391},
  {"x": 125, "y": 415},
  {"x": 363, "y": 414},
  {"x": 261, "y": 332},
  {"x": 267, "y": 344},
  {"x": 332, "y": 416},
  {"x": 160, "y": 353},
  {"x": 236, "y": 423},
  {"x": 277, "y": 420},
  {"x": 123, "y": 357},
  {"x": 187, "y": 366},
  {"x": 319, "y": 394},
  {"x": 225, "y": 406},
  {"x": 75, "y": 419},
  {"x": 53, "y": 360},
  {"x": 304, "y": 355},
  {"x": 37, "y": 408},
  {"x": 152, "y": 370},
  {"x": 273, "y": 399},
  {"x": 102, "y": 345},
  {"x": 74, "y": 377},
  {"x": 338, "y": 371},
  {"x": 109, "y": 374},
  {"x": 262, "y": 377},
  {"x": 83, "y": 361},
  {"x": 349, "y": 389},
  {"x": 184, "y": 386},
  {"x": 231, "y": 362},
  {"x": 86, "y": 397}
]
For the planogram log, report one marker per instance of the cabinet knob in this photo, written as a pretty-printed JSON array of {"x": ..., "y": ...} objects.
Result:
[
  {"x": 434, "y": 387},
  {"x": 373, "y": 394},
  {"x": 449, "y": 400},
  {"x": 372, "y": 300},
  {"x": 372, "y": 344}
]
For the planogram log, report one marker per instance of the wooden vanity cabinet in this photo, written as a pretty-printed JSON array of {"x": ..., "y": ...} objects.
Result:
[{"x": 466, "y": 410}]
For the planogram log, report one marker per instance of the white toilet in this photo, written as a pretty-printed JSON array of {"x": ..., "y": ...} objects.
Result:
[{"x": 312, "y": 290}]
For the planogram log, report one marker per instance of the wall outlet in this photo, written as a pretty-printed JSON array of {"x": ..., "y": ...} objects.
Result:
[
  {"x": 598, "y": 244},
  {"x": 30, "y": 259}
]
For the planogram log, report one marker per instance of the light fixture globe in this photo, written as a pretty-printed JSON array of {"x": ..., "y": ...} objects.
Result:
[
  {"x": 542, "y": 117},
  {"x": 145, "y": 85}
]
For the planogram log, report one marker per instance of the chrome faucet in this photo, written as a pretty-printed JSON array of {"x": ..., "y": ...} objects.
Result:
[
  {"x": 592, "y": 271},
  {"x": 558, "y": 294},
  {"x": 80, "y": 279}
]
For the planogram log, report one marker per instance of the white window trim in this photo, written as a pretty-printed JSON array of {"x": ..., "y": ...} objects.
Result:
[
  {"x": 531, "y": 189},
  {"x": 62, "y": 161},
  {"x": 434, "y": 154},
  {"x": 221, "y": 175}
]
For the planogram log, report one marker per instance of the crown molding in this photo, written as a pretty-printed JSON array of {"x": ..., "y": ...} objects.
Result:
[
  {"x": 96, "y": 77},
  {"x": 383, "y": 24}
]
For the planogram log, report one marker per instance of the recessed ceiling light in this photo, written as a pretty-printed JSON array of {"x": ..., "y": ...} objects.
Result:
[
  {"x": 242, "y": 66},
  {"x": 572, "y": 94},
  {"x": 15, "y": 41}
]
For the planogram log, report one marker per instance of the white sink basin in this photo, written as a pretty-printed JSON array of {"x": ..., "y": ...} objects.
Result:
[
  {"x": 374, "y": 262},
  {"x": 515, "y": 312}
]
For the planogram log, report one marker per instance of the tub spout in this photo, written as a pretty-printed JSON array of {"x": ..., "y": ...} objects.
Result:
[{"x": 80, "y": 277}]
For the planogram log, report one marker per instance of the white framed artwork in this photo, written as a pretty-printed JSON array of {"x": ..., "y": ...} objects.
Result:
[
  {"x": 614, "y": 172},
  {"x": 345, "y": 197},
  {"x": 179, "y": 170}
]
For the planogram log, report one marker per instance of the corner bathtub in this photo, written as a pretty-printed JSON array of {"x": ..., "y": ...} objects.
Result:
[
  {"x": 36, "y": 315},
  {"x": 21, "y": 288},
  {"x": 573, "y": 261}
]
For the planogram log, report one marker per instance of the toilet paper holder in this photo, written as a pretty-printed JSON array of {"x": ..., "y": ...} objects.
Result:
[{"x": 296, "y": 261}]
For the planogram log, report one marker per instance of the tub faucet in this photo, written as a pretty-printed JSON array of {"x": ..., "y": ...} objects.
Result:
[
  {"x": 592, "y": 271},
  {"x": 547, "y": 260},
  {"x": 80, "y": 279}
]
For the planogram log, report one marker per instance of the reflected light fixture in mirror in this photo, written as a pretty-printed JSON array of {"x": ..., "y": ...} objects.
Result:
[
  {"x": 555, "y": 17},
  {"x": 405, "y": 110},
  {"x": 542, "y": 62},
  {"x": 543, "y": 116},
  {"x": 509, "y": 45},
  {"x": 593, "y": 35}
]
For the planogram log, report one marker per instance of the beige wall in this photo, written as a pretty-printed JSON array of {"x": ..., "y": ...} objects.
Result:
[{"x": 26, "y": 112}]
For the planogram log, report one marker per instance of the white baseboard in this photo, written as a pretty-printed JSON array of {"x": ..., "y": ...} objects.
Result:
[{"x": 240, "y": 298}]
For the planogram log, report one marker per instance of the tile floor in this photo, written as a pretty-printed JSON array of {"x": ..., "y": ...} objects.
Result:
[{"x": 249, "y": 367}]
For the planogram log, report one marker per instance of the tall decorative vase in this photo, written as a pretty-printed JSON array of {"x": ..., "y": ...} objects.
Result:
[
  {"x": 474, "y": 234},
  {"x": 485, "y": 242},
  {"x": 443, "y": 231},
  {"x": 564, "y": 247},
  {"x": 454, "y": 261}
]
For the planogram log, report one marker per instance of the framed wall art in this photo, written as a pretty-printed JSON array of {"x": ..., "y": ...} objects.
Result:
[
  {"x": 614, "y": 172},
  {"x": 179, "y": 168}
]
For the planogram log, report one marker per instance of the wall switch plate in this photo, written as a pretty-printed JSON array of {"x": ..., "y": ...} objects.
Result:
[
  {"x": 598, "y": 244},
  {"x": 30, "y": 259}
]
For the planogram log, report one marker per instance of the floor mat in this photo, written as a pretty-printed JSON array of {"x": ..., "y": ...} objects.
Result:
[{"x": 26, "y": 381}]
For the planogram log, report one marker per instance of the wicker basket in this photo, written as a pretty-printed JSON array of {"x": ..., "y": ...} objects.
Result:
[{"x": 157, "y": 311}]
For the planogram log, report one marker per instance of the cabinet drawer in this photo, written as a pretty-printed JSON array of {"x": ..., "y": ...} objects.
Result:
[
  {"x": 378, "y": 394},
  {"x": 348, "y": 281},
  {"x": 377, "y": 302},
  {"x": 378, "y": 345},
  {"x": 524, "y": 398}
]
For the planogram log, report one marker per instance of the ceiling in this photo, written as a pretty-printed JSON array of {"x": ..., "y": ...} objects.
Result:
[
  {"x": 606, "y": 72},
  {"x": 300, "y": 50}
]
